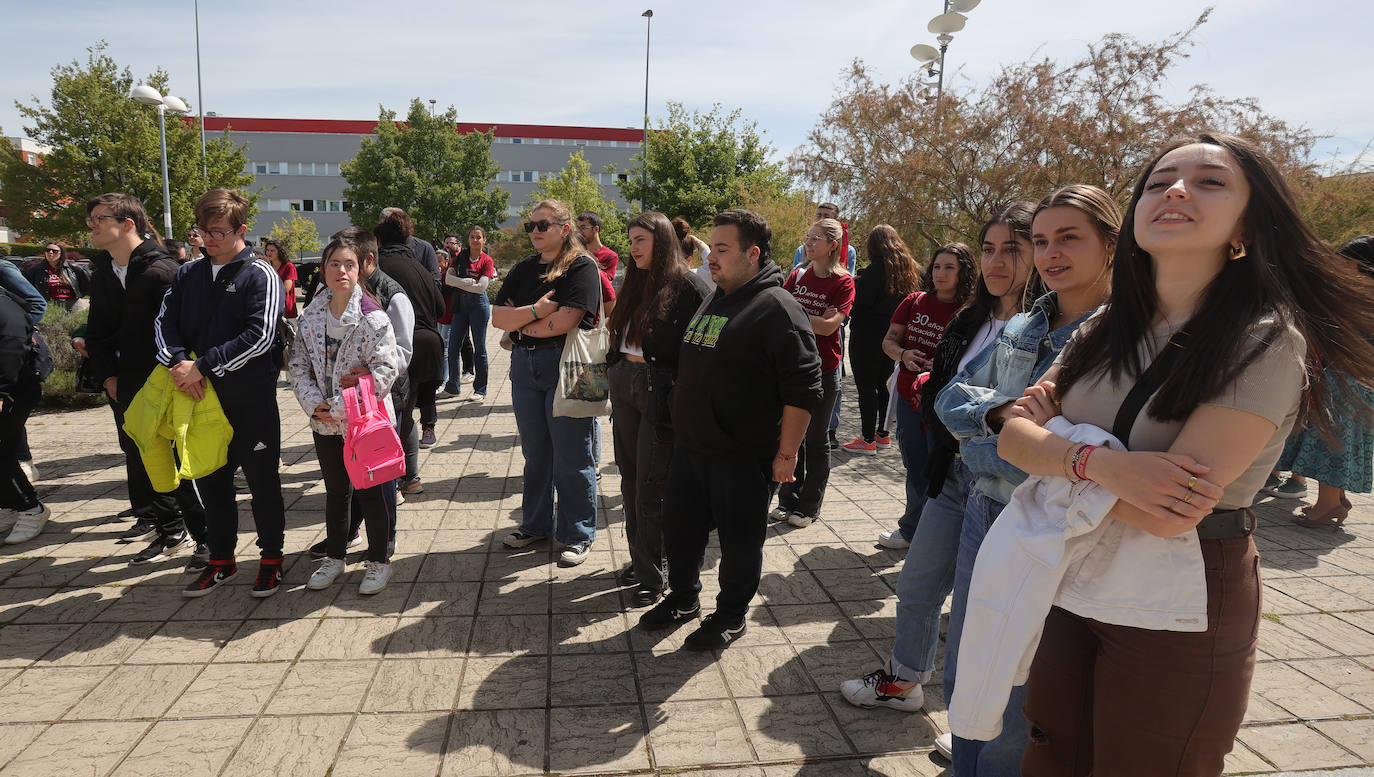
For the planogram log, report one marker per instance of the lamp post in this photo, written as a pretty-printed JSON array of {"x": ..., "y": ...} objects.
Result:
[
  {"x": 943, "y": 27},
  {"x": 644, "y": 143},
  {"x": 200, "y": 104},
  {"x": 149, "y": 96}
]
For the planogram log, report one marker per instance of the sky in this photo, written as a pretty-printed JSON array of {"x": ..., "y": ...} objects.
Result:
[{"x": 582, "y": 63}]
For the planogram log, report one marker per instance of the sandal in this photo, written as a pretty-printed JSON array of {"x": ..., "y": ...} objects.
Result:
[{"x": 1335, "y": 516}]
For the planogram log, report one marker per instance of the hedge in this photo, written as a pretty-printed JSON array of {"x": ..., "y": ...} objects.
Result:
[{"x": 21, "y": 249}]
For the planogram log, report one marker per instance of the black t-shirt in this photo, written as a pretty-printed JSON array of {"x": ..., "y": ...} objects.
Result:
[{"x": 579, "y": 287}]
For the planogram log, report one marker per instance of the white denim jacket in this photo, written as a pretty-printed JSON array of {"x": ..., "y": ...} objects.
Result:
[{"x": 367, "y": 342}]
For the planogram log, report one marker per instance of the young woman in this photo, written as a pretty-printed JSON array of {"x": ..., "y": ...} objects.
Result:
[
  {"x": 470, "y": 272},
  {"x": 544, "y": 297},
  {"x": 825, "y": 290},
  {"x": 343, "y": 328},
  {"x": 693, "y": 247},
  {"x": 280, "y": 258},
  {"x": 58, "y": 280},
  {"x": 890, "y": 277},
  {"x": 656, "y": 302},
  {"x": 914, "y": 330},
  {"x": 1214, "y": 260}
]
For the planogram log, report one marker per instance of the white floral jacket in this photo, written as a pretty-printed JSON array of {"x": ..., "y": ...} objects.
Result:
[{"x": 367, "y": 342}]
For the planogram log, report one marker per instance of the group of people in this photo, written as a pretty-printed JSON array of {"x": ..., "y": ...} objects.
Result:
[{"x": 1117, "y": 387}]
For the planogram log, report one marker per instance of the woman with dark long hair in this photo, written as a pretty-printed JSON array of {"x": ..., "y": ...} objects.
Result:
[
  {"x": 1224, "y": 295},
  {"x": 890, "y": 276},
  {"x": 279, "y": 256},
  {"x": 656, "y": 302}
]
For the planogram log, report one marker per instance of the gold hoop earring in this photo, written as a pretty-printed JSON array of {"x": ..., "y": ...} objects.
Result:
[{"x": 1237, "y": 251}]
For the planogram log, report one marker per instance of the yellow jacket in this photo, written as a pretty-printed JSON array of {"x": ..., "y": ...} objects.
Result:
[{"x": 162, "y": 418}]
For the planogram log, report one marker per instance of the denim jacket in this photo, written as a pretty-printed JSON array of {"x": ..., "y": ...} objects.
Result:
[{"x": 1021, "y": 354}]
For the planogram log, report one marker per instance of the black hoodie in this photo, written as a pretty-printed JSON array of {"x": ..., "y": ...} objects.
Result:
[
  {"x": 744, "y": 356},
  {"x": 119, "y": 330}
]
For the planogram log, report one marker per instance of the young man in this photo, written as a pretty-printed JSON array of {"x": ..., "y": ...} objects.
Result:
[
  {"x": 130, "y": 276},
  {"x": 589, "y": 229},
  {"x": 748, "y": 375},
  {"x": 219, "y": 324},
  {"x": 826, "y": 210}
]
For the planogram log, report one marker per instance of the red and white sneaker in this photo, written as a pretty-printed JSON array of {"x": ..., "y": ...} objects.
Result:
[
  {"x": 881, "y": 689},
  {"x": 883, "y": 441},
  {"x": 859, "y": 446}
]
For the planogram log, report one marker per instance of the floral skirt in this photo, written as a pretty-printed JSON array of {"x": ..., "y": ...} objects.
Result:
[{"x": 1349, "y": 465}]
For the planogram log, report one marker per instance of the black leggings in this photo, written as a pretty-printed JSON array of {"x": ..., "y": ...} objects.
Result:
[
  {"x": 338, "y": 492},
  {"x": 872, "y": 370}
]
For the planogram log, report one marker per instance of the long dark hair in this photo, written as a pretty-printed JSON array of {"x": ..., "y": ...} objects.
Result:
[
  {"x": 899, "y": 268},
  {"x": 1287, "y": 274},
  {"x": 647, "y": 295},
  {"x": 968, "y": 271},
  {"x": 1017, "y": 216}
]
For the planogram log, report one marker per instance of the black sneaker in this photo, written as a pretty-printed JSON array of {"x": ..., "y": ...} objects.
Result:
[
  {"x": 199, "y": 560},
  {"x": 321, "y": 549},
  {"x": 666, "y": 614},
  {"x": 428, "y": 438},
  {"x": 144, "y": 528},
  {"x": 715, "y": 632},
  {"x": 216, "y": 573},
  {"x": 834, "y": 442},
  {"x": 519, "y": 539},
  {"x": 269, "y": 578},
  {"x": 627, "y": 576},
  {"x": 162, "y": 548},
  {"x": 645, "y": 596}
]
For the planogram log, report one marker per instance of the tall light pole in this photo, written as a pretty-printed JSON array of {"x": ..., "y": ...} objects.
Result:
[
  {"x": 149, "y": 96},
  {"x": 943, "y": 27},
  {"x": 200, "y": 105},
  {"x": 644, "y": 144}
]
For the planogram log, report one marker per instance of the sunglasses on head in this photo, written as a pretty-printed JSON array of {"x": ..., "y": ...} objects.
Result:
[{"x": 543, "y": 225}]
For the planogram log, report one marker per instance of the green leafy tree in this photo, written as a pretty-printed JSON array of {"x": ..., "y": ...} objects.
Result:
[
  {"x": 424, "y": 166},
  {"x": 699, "y": 164},
  {"x": 102, "y": 141},
  {"x": 576, "y": 185},
  {"x": 298, "y": 234}
]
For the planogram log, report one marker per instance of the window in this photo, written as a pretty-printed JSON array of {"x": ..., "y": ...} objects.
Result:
[
  {"x": 516, "y": 141},
  {"x": 335, "y": 206},
  {"x": 321, "y": 205},
  {"x": 260, "y": 168},
  {"x": 530, "y": 176},
  {"x": 347, "y": 206},
  {"x": 296, "y": 206}
]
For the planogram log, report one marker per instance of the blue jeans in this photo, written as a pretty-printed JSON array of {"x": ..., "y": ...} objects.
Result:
[
  {"x": 914, "y": 443},
  {"x": 926, "y": 579},
  {"x": 471, "y": 312},
  {"x": 1001, "y": 756},
  {"x": 558, "y": 452}
]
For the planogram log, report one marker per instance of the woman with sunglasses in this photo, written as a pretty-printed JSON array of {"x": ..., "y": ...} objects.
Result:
[
  {"x": 544, "y": 297},
  {"x": 57, "y": 279}
]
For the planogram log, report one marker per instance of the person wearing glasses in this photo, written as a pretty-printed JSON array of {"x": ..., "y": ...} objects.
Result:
[
  {"x": 196, "y": 241},
  {"x": 219, "y": 324},
  {"x": 589, "y": 229},
  {"x": 58, "y": 280},
  {"x": 544, "y": 297}
]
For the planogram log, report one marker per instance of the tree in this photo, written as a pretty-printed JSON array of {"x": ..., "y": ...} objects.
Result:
[
  {"x": 576, "y": 186},
  {"x": 937, "y": 172},
  {"x": 699, "y": 164},
  {"x": 789, "y": 215},
  {"x": 424, "y": 166},
  {"x": 104, "y": 142},
  {"x": 298, "y": 234}
]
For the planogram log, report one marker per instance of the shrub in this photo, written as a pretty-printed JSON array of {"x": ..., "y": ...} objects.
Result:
[
  {"x": 21, "y": 249},
  {"x": 58, "y": 327}
]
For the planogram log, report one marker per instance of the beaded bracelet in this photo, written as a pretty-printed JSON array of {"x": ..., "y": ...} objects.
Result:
[{"x": 1080, "y": 461}]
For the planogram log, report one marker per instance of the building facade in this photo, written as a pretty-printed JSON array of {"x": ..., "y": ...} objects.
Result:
[
  {"x": 31, "y": 152},
  {"x": 296, "y": 162}
]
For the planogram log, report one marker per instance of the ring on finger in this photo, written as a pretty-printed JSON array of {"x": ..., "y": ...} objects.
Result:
[
  {"x": 1192, "y": 481},
  {"x": 1188, "y": 498}
]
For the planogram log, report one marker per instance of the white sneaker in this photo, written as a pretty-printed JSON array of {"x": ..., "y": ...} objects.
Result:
[
  {"x": 944, "y": 745},
  {"x": 7, "y": 518},
  {"x": 467, "y": 377},
  {"x": 30, "y": 471},
  {"x": 375, "y": 578},
  {"x": 778, "y": 514},
  {"x": 880, "y": 689},
  {"x": 574, "y": 554},
  {"x": 894, "y": 540},
  {"x": 325, "y": 574},
  {"x": 800, "y": 521},
  {"x": 28, "y": 524},
  {"x": 477, "y": 397}
]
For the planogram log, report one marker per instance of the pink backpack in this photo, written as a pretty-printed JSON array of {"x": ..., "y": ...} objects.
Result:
[{"x": 372, "y": 450}]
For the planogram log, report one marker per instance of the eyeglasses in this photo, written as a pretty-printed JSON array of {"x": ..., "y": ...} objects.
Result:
[
  {"x": 543, "y": 225},
  {"x": 52, "y": 250},
  {"x": 94, "y": 221},
  {"x": 218, "y": 234}
]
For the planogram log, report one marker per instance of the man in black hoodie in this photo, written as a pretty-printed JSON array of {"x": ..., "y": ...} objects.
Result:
[
  {"x": 131, "y": 275},
  {"x": 748, "y": 375}
]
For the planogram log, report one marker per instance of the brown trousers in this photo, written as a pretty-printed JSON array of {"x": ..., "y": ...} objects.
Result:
[{"x": 1123, "y": 701}]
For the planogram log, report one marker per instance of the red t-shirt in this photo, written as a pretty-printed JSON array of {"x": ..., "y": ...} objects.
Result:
[
  {"x": 58, "y": 288},
  {"x": 607, "y": 260},
  {"x": 815, "y": 294},
  {"x": 482, "y": 266},
  {"x": 925, "y": 318},
  {"x": 287, "y": 272}
]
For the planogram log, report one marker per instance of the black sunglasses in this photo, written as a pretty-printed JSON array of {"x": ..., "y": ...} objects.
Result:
[{"x": 543, "y": 225}]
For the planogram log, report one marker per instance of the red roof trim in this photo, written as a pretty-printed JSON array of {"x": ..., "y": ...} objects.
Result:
[{"x": 353, "y": 127}]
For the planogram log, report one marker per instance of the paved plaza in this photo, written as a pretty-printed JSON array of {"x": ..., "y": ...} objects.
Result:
[{"x": 479, "y": 661}]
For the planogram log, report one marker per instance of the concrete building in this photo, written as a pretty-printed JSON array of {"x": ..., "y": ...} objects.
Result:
[
  {"x": 295, "y": 162},
  {"x": 32, "y": 152}
]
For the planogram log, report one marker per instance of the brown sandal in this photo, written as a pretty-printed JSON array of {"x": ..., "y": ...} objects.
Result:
[{"x": 1335, "y": 516}]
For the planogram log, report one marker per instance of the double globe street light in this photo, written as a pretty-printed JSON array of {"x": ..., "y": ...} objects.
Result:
[
  {"x": 149, "y": 96},
  {"x": 943, "y": 27}
]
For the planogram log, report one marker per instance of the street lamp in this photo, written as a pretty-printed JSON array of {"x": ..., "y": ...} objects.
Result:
[
  {"x": 149, "y": 96},
  {"x": 644, "y": 144},
  {"x": 943, "y": 27}
]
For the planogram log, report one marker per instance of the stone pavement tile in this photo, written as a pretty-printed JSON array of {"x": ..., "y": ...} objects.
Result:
[
  {"x": 415, "y": 685},
  {"x": 134, "y": 692},
  {"x": 144, "y": 602},
  {"x": 1358, "y": 563},
  {"x": 249, "y": 686},
  {"x": 1280, "y": 603},
  {"x": 70, "y": 605},
  {"x": 1349, "y": 678},
  {"x": 874, "y": 620},
  {"x": 778, "y": 557},
  {"x": 395, "y": 745},
  {"x": 303, "y": 745},
  {"x": 1295, "y": 692},
  {"x": 1295, "y": 746},
  {"x": 592, "y": 679},
  {"x": 586, "y": 632},
  {"x": 184, "y": 642},
  {"x": 1328, "y": 593},
  {"x": 426, "y": 638},
  {"x": 267, "y": 640},
  {"x": 812, "y": 623},
  {"x": 686, "y": 733},
  {"x": 49, "y": 573},
  {"x": 448, "y": 566},
  {"x": 314, "y": 687},
  {"x": 594, "y": 739},
  {"x": 1355, "y": 585},
  {"x": 349, "y": 638},
  {"x": 764, "y": 671},
  {"x": 795, "y": 587},
  {"x": 1356, "y": 736},
  {"x": 680, "y": 675},
  {"x": 184, "y": 748},
  {"x": 496, "y": 742},
  {"x": 748, "y": 771},
  {"x": 13, "y": 739},
  {"x": 520, "y": 597},
  {"x": 792, "y": 727},
  {"x": 470, "y": 532},
  {"x": 46, "y": 693},
  {"x": 882, "y": 730},
  {"x": 1243, "y": 760},
  {"x": 67, "y": 749},
  {"x": 1260, "y": 710},
  {"x": 830, "y": 665},
  {"x": 100, "y": 643},
  {"x": 853, "y": 585},
  {"x": 444, "y": 599},
  {"x": 1283, "y": 640},
  {"x": 601, "y": 563},
  {"x": 22, "y": 645},
  {"x": 586, "y": 595},
  {"x": 817, "y": 557},
  {"x": 924, "y": 765},
  {"x": 351, "y": 604},
  {"x": 234, "y": 603},
  {"x": 510, "y": 634},
  {"x": 14, "y": 602},
  {"x": 505, "y": 683},
  {"x": 837, "y": 768}
]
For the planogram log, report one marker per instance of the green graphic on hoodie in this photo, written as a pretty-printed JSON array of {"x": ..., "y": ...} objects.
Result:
[{"x": 705, "y": 330}]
